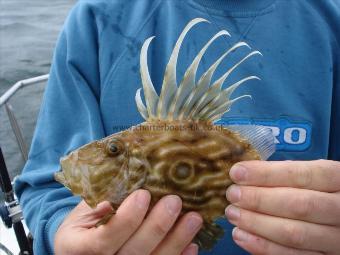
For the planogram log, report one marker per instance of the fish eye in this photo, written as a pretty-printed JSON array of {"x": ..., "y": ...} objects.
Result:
[{"x": 114, "y": 147}]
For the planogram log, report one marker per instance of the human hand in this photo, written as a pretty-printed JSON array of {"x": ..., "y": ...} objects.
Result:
[
  {"x": 129, "y": 231},
  {"x": 286, "y": 207}
]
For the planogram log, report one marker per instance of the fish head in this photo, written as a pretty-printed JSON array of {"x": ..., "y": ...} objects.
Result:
[{"x": 107, "y": 169}]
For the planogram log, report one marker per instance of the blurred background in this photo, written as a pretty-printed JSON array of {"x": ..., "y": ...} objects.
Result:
[{"x": 28, "y": 33}]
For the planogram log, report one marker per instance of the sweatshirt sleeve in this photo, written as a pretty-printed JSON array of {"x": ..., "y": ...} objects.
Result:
[{"x": 69, "y": 117}]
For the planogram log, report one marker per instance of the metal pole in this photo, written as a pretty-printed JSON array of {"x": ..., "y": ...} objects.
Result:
[
  {"x": 6, "y": 187},
  {"x": 5, "y": 181},
  {"x": 17, "y": 131},
  {"x": 5, "y": 249}
]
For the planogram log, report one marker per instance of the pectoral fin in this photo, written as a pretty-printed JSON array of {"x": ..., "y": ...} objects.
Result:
[{"x": 105, "y": 219}]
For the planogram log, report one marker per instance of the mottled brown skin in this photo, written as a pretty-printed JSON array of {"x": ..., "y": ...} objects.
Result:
[
  {"x": 192, "y": 163},
  {"x": 186, "y": 158}
]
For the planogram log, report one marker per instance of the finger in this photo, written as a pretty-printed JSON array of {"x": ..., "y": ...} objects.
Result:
[
  {"x": 307, "y": 205},
  {"x": 81, "y": 208},
  {"x": 181, "y": 236},
  {"x": 321, "y": 175},
  {"x": 81, "y": 220},
  {"x": 83, "y": 216},
  {"x": 155, "y": 227},
  {"x": 191, "y": 249},
  {"x": 287, "y": 232},
  {"x": 88, "y": 217},
  {"x": 257, "y": 245},
  {"x": 102, "y": 209},
  {"x": 124, "y": 223}
]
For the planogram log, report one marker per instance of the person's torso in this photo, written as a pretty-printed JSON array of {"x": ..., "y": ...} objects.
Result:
[{"x": 296, "y": 70}]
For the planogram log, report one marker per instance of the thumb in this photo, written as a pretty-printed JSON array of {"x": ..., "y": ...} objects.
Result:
[
  {"x": 85, "y": 217},
  {"x": 102, "y": 209}
]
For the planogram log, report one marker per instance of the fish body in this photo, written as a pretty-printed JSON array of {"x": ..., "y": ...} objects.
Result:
[{"x": 177, "y": 150}]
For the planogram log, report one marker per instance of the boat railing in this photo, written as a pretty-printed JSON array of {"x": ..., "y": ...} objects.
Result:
[
  {"x": 5, "y": 102},
  {"x": 10, "y": 211}
]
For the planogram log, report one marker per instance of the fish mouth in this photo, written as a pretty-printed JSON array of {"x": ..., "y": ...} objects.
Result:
[{"x": 60, "y": 177}]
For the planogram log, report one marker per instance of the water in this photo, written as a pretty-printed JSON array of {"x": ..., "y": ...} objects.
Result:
[{"x": 28, "y": 33}]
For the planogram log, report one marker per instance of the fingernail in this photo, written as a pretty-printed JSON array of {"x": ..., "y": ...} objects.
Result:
[
  {"x": 194, "y": 223},
  {"x": 142, "y": 198},
  {"x": 232, "y": 213},
  {"x": 240, "y": 235},
  {"x": 238, "y": 173},
  {"x": 192, "y": 249},
  {"x": 234, "y": 194},
  {"x": 173, "y": 204}
]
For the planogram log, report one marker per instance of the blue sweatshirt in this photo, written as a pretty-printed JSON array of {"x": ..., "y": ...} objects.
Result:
[{"x": 95, "y": 74}]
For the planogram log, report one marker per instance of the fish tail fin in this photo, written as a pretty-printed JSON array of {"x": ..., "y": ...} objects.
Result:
[{"x": 208, "y": 236}]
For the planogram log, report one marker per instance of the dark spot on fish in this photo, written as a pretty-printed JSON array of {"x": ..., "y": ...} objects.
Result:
[
  {"x": 183, "y": 170},
  {"x": 287, "y": 26},
  {"x": 238, "y": 150},
  {"x": 139, "y": 140},
  {"x": 260, "y": 65},
  {"x": 282, "y": 51},
  {"x": 199, "y": 192}
]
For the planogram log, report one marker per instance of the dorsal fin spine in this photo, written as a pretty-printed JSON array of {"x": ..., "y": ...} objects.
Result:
[
  {"x": 150, "y": 93},
  {"x": 188, "y": 82},
  {"x": 141, "y": 107},
  {"x": 189, "y": 101},
  {"x": 224, "y": 96},
  {"x": 204, "y": 82},
  {"x": 169, "y": 86}
]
